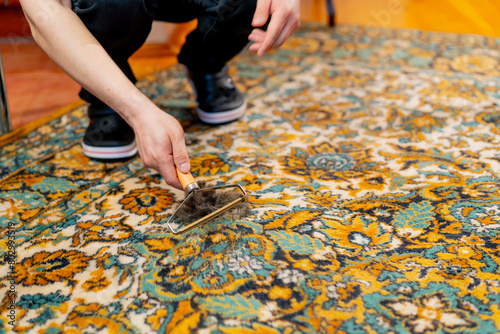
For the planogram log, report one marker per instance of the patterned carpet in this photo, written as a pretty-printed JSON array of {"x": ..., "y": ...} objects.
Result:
[{"x": 372, "y": 158}]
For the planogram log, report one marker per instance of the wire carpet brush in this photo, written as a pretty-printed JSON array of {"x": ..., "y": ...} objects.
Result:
[{"x": 204, "y": 203}]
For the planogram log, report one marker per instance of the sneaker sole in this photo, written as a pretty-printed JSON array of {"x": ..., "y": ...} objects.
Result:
[
  {"x": 221, "y": 117},
  {"x": 110, "y": 153},
  {"x": 215, "y": 118}
]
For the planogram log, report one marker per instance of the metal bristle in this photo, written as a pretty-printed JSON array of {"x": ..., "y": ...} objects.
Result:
[{"x": 207, "y": 203}]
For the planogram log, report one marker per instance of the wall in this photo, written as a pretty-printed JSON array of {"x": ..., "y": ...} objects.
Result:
[{"x": 460, "y": 16}]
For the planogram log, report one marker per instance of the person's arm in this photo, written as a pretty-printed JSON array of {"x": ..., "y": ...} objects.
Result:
[
  {"x": 285, "y": 19},
  {"x": 65, "y": 39}
]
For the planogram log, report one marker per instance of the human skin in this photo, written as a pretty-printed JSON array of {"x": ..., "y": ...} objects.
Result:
[{"x": 159, "y": 136}]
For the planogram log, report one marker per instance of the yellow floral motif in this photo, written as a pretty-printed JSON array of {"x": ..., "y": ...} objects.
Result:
[
  {"x": 294, "y": 219},
  {"x": 10, "y": 206},
  {"x": 53, "y": 327},
  {"x": 86, "y": 195},
  {"x": 311, "y": 115},
  {"x": 105, "y": 229},
  {"x": 462, "y": 90},
  {"x": 45, "y": 268},
  {"x": 93, "y": 314},
  {"x": 208, "y": 164},
  {"x": 325, "y": 161},
  {"x": 372, "y": 182},
  {"x": 98, "y": 282},
  {"x": 183, "y": 318},
  {"x": 474, "y": 63},
  {"x": 375, "y": 182},
  {"x": 321, "y": 199},
  {"x": 224, "y": 141},
  {"x": 490, "y": 116},
  {"x": 157, "y": 319},
  {"x": 72, "y": 162},
  {"x": 160, "y": 245},
  {"x": 280, "y": 292},
  {"x": 20, "y": 180},
  {"x": 292, "y": 43},
  {"x": 148, "y": 201},
  {"x": 428, "y": 313},
  {"x": 441, "y": 64},
  {"x": 256, "y": 329},
  {"x": 358, "y": 236}
]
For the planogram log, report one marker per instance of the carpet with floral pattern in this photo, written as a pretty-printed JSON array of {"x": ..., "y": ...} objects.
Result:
[{"x": 372, "y": 159}]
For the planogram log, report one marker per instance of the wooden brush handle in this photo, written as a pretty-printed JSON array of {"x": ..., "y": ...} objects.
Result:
[{"x": 186, "y": 180}]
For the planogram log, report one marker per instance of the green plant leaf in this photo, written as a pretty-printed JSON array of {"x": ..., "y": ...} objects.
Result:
[
  {"x": 417, "y": 216},
  {"x": 300, "y": 244},
  {"x": 233, "y": 306},
  {"x": 55, "y": 185}
]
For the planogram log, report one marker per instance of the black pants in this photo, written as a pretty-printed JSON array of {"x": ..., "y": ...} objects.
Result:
[{"x": 122, "y": 26}]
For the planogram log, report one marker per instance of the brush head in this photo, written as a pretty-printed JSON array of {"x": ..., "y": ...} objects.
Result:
[{"x": 203, "y": 203}]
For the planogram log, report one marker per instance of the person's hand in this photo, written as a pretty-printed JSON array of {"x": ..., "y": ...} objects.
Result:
[
  {"x": 285, "y": 19},
  {"x": 161, "y": 144},
  {"x": 159, "y": 136}
]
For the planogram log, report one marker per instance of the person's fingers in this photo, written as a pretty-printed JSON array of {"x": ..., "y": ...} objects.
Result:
[
  {"x": 161, "y": 146},
  {"x": 252, "y": 38},
  {"x": 254, "y": 47},
  {"x": 147, "y": 159},
  {"x": 289, "y": 28},
  {"x": 273, "y": 31},
  {"x": 285, "y": 19},
  {"x": 162, "y": 162},
  {"x": 258, "y": 33},
  {"x": 256, "y": 37},
  {"x": 181, "y": 158},
  {"x": 262, "y": 13},
  {"x": 168, "y": 172}
]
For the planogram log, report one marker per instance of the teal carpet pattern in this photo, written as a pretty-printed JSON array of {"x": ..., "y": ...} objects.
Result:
[{"x": 372, "y": 161}]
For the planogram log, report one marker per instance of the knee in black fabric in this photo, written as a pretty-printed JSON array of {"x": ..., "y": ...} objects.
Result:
[
  {"x": 222, "y": 33},
  {"x": 120, "y": 26},
  {"x": 112, "y": 21},
  {"x": 117, "y": 8},
  {"x": 233, "y": 15}
]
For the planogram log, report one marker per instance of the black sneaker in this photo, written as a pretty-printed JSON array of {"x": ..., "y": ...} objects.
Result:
[
  {"x": 218, "y": 100},
  {"x": 109, "y": 137}
]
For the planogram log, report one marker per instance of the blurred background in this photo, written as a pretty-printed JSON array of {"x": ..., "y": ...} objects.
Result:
[{"x": 36, "y": 87}]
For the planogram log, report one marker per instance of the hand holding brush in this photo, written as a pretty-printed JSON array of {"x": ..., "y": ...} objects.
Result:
[{"x": 204, "y": 203}]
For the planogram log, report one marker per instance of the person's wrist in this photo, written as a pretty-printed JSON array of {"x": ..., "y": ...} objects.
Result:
[{"x": 136, "y": 107}]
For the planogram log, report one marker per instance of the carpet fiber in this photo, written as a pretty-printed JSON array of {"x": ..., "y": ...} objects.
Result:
[{"x": 372, "y": 158}]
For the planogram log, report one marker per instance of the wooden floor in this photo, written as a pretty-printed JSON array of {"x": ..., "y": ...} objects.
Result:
[{"x": 36, "y": 87}]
